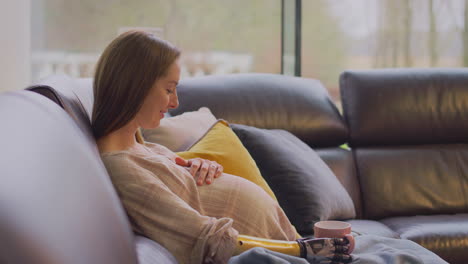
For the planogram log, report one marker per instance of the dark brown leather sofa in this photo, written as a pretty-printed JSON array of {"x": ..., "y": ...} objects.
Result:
[
  {"x": 405, "y": 169},
  {"x": 408, "y": 130}
]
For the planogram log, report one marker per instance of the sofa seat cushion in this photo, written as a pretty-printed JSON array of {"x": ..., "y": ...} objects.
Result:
[
  {"x": 149, "y": 251},
  {"x": 446, "y": 235},
  {"x": 371, "y": 227}
]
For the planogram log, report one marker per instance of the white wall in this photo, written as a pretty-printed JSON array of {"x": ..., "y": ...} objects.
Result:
[{"x": 15, "y": 43}]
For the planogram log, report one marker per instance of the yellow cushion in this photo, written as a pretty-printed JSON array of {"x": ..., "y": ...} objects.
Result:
[{"x": 222, "y": 145}]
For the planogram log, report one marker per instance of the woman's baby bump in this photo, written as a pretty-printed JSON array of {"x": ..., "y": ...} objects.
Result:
[{"x": 254, "y": 212}]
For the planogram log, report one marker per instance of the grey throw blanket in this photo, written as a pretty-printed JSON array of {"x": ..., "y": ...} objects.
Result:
[{"x": 369, "y": 250}]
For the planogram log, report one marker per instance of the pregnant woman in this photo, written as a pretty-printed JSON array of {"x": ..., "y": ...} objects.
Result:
[{"x": 190, "y": 207}]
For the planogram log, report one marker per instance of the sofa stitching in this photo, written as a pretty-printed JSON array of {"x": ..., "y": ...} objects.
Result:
[
  {"x": 358, "y": 179},
  {"x": 344, "y": 103}
]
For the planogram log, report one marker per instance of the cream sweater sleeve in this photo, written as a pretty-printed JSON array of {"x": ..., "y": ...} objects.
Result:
[{"x": 158, "y": 213}]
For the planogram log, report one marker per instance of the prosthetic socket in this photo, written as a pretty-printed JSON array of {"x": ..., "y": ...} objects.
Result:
[{"x": 315, "y": 250}]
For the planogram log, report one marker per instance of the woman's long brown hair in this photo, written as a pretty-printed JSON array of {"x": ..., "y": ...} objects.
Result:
[{"x": 125, "y": 72}]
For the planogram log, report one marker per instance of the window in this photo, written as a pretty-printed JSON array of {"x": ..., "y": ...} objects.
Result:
[
  {"x": 216, "y": 36},
  {"x": 364, "y": 34},
  {"x": 224, "y": 36}
]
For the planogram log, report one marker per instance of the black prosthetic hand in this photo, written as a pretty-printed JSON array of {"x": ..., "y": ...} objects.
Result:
[{"x": 325, "y": 250}]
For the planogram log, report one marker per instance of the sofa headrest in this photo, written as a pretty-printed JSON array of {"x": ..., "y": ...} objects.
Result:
[
  {"x": 75, "y": 96},
  {"x": 57, "y": 203},
  {"x": 406, "y": 106},
  {"x": 299, "y": 105}
]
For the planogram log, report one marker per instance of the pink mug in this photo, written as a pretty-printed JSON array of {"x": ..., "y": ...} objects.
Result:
[{"x": 334, "y": 229}]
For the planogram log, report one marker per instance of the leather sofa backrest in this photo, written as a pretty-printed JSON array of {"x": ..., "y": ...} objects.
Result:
[
  {"x": 405, "y": 106},
  {"x": 57, "y": 203},
  {"x": 408, "y": 131},
  {"x": 341, "y": 162},
  {"x": 301, "y": 106}
]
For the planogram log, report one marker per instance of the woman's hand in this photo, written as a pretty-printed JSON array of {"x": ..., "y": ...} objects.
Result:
[{"x": 201, "y": 169}]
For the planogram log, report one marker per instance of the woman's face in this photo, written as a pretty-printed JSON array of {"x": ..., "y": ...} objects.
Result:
[{"x": 161, "y": 98}]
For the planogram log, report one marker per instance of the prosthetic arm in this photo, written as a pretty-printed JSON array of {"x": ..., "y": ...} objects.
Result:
[{"x": 315, "y": 250}]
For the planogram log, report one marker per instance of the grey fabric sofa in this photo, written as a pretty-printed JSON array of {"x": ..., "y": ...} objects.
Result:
[{"x": 404, "y": 171}]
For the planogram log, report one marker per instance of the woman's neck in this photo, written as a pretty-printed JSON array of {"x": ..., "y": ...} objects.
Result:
[{"x": 120, "y": 139}]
